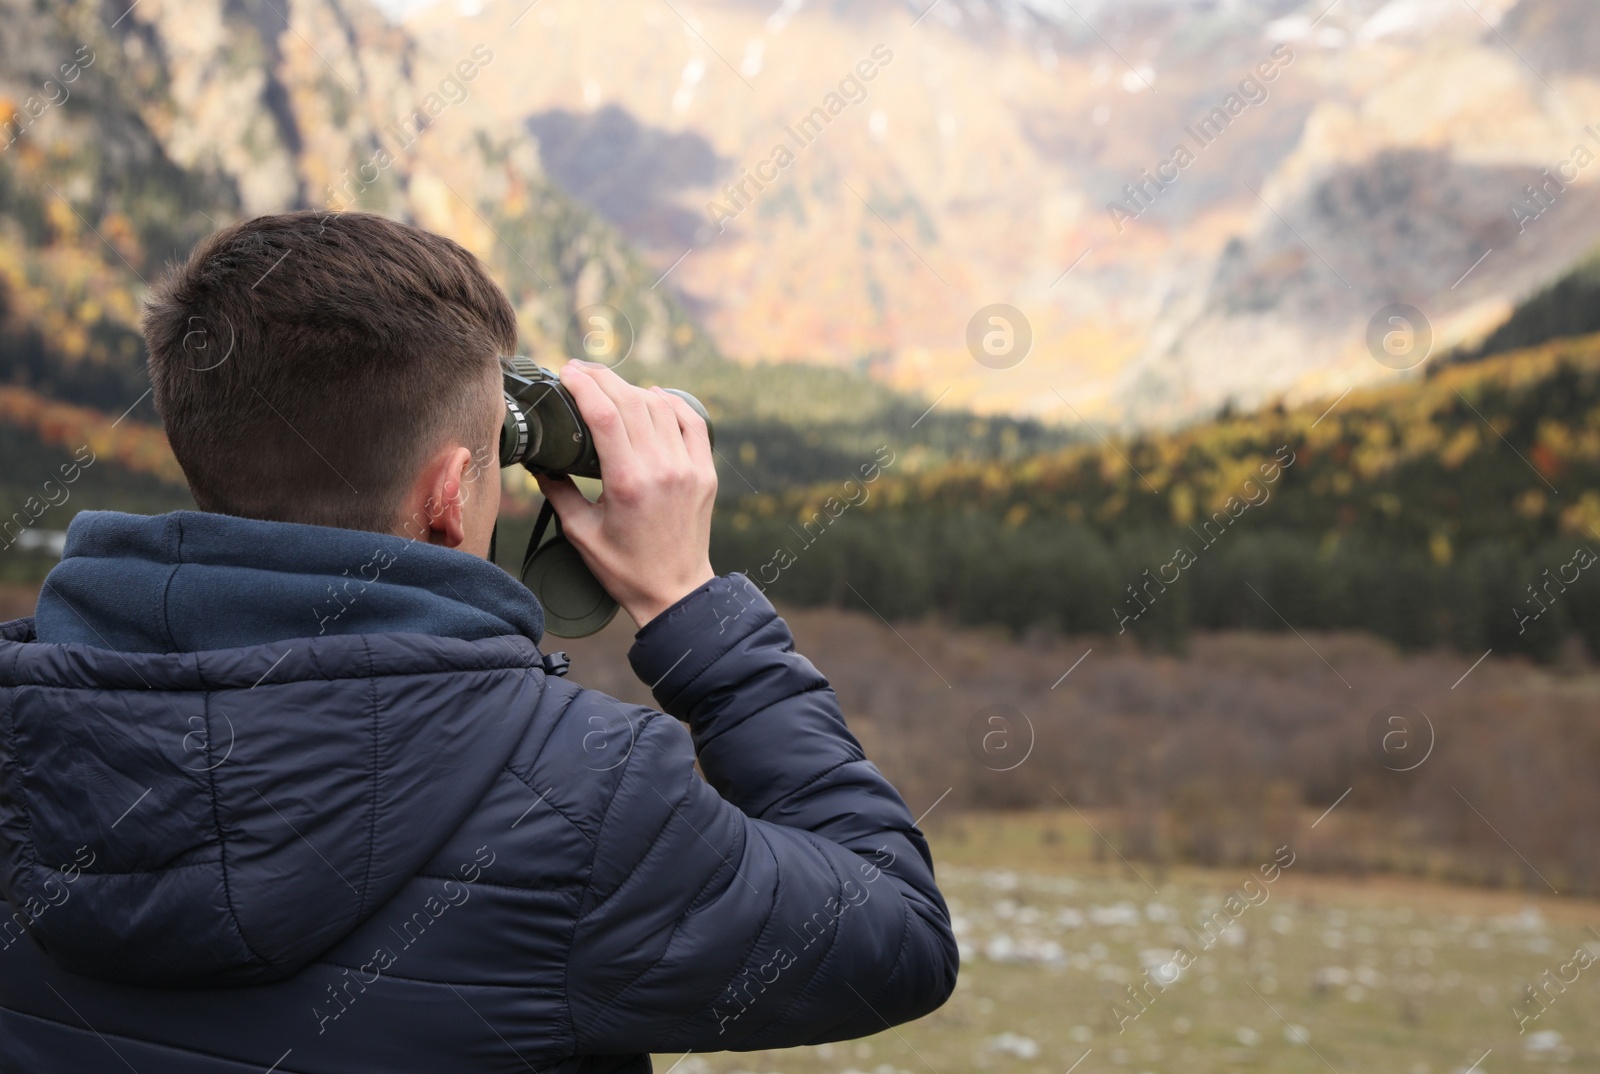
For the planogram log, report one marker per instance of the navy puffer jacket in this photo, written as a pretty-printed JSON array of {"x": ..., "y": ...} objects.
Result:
[{"x": 302, "y": 799}]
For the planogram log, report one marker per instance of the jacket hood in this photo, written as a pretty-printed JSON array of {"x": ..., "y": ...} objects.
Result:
[
  {"x": 190, "y": 581},
  {"x": 183, "y": 814}
]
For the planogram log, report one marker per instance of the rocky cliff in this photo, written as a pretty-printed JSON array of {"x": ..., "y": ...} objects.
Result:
[{"x": 1191, "y": 201}]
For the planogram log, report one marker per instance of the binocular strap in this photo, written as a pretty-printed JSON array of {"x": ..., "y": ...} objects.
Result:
[{"x": 575, "y": 603}]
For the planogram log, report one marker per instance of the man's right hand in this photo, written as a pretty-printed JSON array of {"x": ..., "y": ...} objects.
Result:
[{"x": 648, "y": 538}]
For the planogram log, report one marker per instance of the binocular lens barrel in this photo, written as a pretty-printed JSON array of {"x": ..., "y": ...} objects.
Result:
[{"x": 543, "y": 430}]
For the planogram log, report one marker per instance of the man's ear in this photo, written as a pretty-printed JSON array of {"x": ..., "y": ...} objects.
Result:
[{"x": 443, "y": 490}]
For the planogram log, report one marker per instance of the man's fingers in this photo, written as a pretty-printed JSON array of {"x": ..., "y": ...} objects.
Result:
[
  {"x": 632, "y": 404},
  {"x": 579, "y": 517},
  {"x": 668, "y": 428},
  {"x": 599, "y": 412},
  {"x": 696, "y": 437}
]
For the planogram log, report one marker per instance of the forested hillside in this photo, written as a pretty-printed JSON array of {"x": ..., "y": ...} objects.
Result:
[
  {"x": 1460, "y": 509},
  {"x": 1568, "y": 307},
  {"x": 1450, "y": 510}
]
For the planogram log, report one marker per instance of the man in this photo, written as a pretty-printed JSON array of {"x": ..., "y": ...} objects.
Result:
[{"x": 287, "y": 784}]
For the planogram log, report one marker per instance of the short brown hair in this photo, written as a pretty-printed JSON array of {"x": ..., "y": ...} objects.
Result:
[{"x": 304, "y": 364}]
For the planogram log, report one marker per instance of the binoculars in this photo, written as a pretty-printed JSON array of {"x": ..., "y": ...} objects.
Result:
[
  {"x": 543, "y": 429},
  {"x": 544, "y": 432}
]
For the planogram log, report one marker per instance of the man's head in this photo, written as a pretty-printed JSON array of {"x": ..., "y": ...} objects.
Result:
[{"x": 337, "y": 369}]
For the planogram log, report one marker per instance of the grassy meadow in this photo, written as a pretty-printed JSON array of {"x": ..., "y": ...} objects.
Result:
[{"x": 1321, "y": 974}]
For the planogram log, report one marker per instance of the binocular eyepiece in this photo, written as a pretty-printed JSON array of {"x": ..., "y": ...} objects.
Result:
[
  {"x": 543, "y": 429},
  {"x": 544, "y": 432}
]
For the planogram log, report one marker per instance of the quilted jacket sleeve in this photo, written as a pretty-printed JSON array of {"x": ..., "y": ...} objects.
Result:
[{"x": 785, "y": 899}]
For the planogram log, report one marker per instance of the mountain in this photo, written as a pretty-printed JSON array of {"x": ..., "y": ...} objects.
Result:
[
  {"x": 1335, "y": 159},
  {"x": 180, "y": 117},
  {"x": 132, "y": 137}
]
